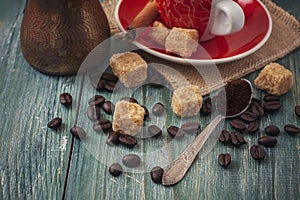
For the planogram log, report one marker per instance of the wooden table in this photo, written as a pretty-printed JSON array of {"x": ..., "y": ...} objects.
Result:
[{"x": 39, "y": 163}]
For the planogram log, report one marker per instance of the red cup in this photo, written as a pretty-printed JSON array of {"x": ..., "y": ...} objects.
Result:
[{"x": 208, "y": 17}]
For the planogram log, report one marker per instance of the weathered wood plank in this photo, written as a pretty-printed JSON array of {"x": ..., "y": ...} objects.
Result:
[{"x": 34, "y": 159}]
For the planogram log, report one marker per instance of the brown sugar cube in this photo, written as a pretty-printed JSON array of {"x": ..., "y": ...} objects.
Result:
[
  {"x": 128, "y": 118},
  {"x": 274, "y": 79},
  {"x": 130, "y": 68},
  {"x": 183, "y": 42},
  {"x": 187, "y": 101},
  {"x": 159, "y": 33}
]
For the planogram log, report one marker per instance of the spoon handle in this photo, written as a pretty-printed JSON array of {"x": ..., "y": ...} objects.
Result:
[{"x": 178, "y": 168}]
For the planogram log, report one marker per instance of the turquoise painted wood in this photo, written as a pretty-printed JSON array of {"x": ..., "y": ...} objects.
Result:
[{"x": 38, "y": 163}]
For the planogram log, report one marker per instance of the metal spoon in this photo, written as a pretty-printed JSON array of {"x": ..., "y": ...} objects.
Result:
[{"x": 178, "y": 168}]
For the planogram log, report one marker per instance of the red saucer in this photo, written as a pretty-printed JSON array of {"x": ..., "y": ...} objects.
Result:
[{"x": 221, "y": 49}]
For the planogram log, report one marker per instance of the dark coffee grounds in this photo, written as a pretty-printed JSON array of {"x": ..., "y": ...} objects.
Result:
[{"x": 238, "y": 95}]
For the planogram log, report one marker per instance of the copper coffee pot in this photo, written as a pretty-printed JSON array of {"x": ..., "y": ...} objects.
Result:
[{"x": 56, "y": 35}]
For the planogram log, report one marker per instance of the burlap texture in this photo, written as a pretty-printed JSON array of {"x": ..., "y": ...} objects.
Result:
[{"x": 285, "y": 37}]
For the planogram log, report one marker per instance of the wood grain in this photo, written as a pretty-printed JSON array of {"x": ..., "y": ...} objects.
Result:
[{"x": 38, "y": 163}]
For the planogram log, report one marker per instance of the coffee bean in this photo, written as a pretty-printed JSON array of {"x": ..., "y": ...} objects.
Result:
[
  {"x": 96, "y": 100},
  {"x": 158, "y": 109},
  {"x": 191, "y": 127},
  {"x": 206, "y": 108},
  {"x": 146, "y": 112},
  {"x": 97, "y": 84},
  {"x": 131, "y": 160},
  {"x": 252, "y": 127},
  {"x": 267, "y": 141},
  {"x": 271, "y": 97},
  {"x": 238, "y": 125},
  {"x": 78, "y": 132},
  {"x": 93, "y": 113},
  {"x": 272, "y": 130},
  {"x": 110, "y": 86},
  {"x": 115, "y": 169},
  {"x": 113, "y": 138},
  {"x": 54, "y": 123},
  {"x": 129, "y": 99},
  {"x": 258, "y": 110},
  {"x": 156, "y": 174},
  {"x": 257, "y": 152},
  {"x": 224, "y": 160},
  {"x": 237, "y": 138},
  {"x": 255, "y": 101},
  {"x": 102, "y": 125},
  {"x": 176, "y": 132},
  {"x": 291, "y": 129},
  {"x": 127, "y": 140},
  {"x": 65, "y": 99},
  {"x": 109, "y": 77},
  {"x": 154, "y": 131},
  {"x": 108, "y": 107},
  {"x": 224, "y": 136},
  {"x": 249, "y": 116},
  {"x": 297, "y": 110},
  {"x": 271, "y": 106}
]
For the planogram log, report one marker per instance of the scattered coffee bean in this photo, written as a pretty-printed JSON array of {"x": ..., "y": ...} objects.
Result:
[
  {"x": 249, "y": 116},
  {"x": 271, "y": 97},
  {"x": 102, "y": 125},
  {"x": 96, "y": 100},
  {"x": 237, "y": 138},
  {"x": 109, "y": 77},
  {"x": 158, "y": 109},
  {"x": 97, "y": 84},
  {"x": 113, "y": 138},
  {"x": 267, "y": 141},
  {"x": 78, "y": 132},
  {"x": 252, "y": 127},
  {"x": 146, "y": 112},
  {"x": 55, "y": 123},
  {"x": 93, "y": 113},
  {"x": 224, "y": 160},
  {"x": 156, "y": 174},
  {"x": 108, "y": 107},
  {"x": 129, "y": 99},
  {"x": 224, "y": 136},
  {"x": 257, "y": 152},
  {"x": 272, "y": 130},
  {"x": 110, "y": 86},
  {"x": 297, "y": 110},
  {"x": 65, "y": 99},
  {"x": 291, "y": 129},
  {"x": 238, "y": 125},
  {"x": 191, "y": 127},
  {"x": 271, "y": 106},
  {"x": 206, "y": 108},
  {"x": 154, "y": 131},
  {"x": 255, "y": 101},
  {"x": 115, "y": 169},
  {"x": 176, "y": 132},
  {"x": 131, "y": 160},
  {"x": 127, "y": 140},
  {"x": 258, "y": 110}
]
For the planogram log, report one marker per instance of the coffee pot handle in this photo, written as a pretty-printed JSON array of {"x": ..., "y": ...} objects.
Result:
[{"x": 229, "y": 18}]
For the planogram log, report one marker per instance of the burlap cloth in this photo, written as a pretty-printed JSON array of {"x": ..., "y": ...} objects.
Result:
[{"x": 285, "y": 37}]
